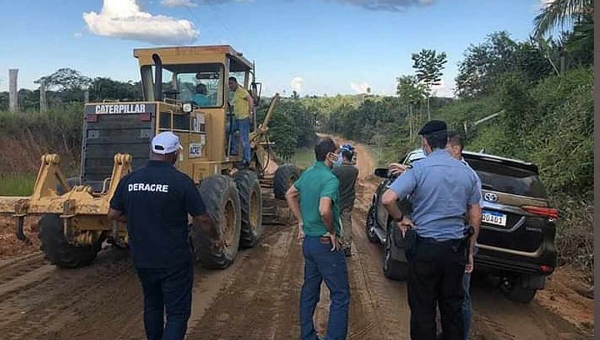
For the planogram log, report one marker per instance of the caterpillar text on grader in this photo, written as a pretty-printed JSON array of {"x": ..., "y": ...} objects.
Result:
[{"x": 116, "y": 140}]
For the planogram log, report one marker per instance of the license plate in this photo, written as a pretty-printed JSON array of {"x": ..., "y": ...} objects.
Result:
[{"x": 493, "y": 217}]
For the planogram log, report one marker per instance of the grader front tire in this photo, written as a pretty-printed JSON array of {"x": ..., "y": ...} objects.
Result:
[
  {"x": 222, "y": 202},
  {"x": 58, "y": 250},
  {"x": 248, "y": 187}
]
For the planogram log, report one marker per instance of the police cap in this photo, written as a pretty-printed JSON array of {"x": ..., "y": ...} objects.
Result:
[{"x": 432, "y": 127}]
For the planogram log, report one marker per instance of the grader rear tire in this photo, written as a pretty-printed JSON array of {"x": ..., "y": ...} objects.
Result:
[
  {"x": 251, "y": 207},
  {"x": 58, "y": 250},
  {"x": 284, "y": 177},
  {"x": 222, "y": 202}
]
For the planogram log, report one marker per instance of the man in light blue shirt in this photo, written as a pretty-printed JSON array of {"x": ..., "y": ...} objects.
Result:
[
  {"x": 443, "y": 192},
  {"x": 455, "y": 147}
]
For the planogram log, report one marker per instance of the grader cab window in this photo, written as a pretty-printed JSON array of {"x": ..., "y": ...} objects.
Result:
[{"x": 201, "y": 84}]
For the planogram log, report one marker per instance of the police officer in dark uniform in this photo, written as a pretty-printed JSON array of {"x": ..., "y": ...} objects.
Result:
[
  {"x": 155, "y": 201},
  {"x": 443, "y": 192}
]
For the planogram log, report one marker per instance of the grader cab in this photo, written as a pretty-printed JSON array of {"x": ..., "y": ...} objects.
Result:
[{"x": 185, "y": 91}]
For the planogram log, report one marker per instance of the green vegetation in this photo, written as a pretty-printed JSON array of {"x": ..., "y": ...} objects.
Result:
[
  {"x": 304, "y": 157},
  {"x": 26, "y": 136},
  {"x": 16, "y": 185}
]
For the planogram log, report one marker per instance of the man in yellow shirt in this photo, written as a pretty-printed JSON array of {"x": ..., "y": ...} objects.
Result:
[{"x": 243, "y": 105}]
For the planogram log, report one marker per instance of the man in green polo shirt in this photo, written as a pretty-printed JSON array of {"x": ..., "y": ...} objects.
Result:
[
  {"x": 243, "y": 107},
  {"x": 314, "y": 200}
]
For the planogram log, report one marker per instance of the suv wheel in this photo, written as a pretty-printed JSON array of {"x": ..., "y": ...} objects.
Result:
[
  {"x": 370, "y": 225},
  {"x": 514, "y": 290},
  {"x": 393, "y": 269}
]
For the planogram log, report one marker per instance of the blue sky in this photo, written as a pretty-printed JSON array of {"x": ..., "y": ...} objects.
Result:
[{"x": 313, "y": 46}]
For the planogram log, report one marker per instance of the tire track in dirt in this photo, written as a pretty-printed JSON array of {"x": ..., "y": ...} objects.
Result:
[
  {"x": 388, "y": 297},
  {"x": 10, "y": 269},
  {"x": 60, "y": 297},
  {"x": 259, "y": 303}
]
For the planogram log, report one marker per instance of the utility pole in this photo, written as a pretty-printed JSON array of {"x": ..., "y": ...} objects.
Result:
[
  {"x": 13, "y": 93},
  {"x": 43, "y": 103}
]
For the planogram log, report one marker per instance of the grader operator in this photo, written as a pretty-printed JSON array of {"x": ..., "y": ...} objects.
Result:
[{"x": 185, "y": 91}]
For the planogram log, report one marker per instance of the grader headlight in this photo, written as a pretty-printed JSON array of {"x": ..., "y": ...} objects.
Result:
[{"x": 187, "y": 107}]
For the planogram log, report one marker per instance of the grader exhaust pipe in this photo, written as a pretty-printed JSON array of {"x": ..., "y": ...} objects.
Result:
[{"x": 157, "y": 77}]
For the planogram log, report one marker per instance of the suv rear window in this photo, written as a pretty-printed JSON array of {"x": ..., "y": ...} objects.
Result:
[{"x": 508, "y": 179}]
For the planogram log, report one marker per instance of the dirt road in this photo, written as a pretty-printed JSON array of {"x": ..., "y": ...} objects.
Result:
[{"x": 256, "y": 298}]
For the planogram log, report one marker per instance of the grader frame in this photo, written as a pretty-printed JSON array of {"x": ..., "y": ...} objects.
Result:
[{"x": 74, "y": 220}]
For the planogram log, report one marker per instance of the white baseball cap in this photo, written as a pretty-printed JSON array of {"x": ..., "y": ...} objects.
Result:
[{"x": 165, "y": 143}]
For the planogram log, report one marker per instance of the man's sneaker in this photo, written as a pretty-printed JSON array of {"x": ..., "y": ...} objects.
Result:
[{"x": 348, "y": 252}]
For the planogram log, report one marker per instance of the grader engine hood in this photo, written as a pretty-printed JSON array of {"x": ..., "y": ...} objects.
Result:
[{"x": 112, "y": 128}]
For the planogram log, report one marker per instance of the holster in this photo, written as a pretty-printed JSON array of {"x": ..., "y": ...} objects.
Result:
[
  {"x": 410, "y": 244},
  {"x": 465, "y": 246}
]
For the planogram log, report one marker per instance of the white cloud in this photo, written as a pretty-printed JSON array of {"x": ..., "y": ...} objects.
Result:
[
  {"x": 77, "y": 35},
  {"x": 296, "y": 84},
  {"x": 125, "y": 20},
  {"x": 178, "y": 3},
  {"x": 360, "y": 87}
]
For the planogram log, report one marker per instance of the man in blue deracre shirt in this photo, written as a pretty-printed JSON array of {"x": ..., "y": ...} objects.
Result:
[
  {"x": 155, "y": 201},
  {"x": 443, "y": 191}
]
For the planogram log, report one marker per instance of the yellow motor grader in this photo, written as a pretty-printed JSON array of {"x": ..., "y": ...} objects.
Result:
[{"x": 185, "y": 91}]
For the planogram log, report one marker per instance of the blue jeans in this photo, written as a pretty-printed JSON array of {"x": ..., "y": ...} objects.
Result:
[
  {"x": 320, "y": 263},
  {"x": 243, "y": 126},
  {"x": 466, "y": 305},
  {"x": 170, "y": 289}
]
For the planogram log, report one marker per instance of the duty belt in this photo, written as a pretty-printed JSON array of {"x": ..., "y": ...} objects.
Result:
[{"x": 453, "y": 243}]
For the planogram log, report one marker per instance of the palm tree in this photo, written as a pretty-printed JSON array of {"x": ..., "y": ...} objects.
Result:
[{"x": 560, "y": 12}]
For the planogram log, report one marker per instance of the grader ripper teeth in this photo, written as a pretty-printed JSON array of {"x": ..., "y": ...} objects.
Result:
[{"x": 78, "y": 206}]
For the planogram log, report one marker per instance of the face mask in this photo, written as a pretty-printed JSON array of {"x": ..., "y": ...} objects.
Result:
[
  {"x": 333, "y": 158},
  {"x": 339, "y": 161}
]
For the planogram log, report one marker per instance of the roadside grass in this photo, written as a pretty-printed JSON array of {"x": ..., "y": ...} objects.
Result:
[
  {"x": 16, "y": 184},
  {"x": 304, "y": 157}
]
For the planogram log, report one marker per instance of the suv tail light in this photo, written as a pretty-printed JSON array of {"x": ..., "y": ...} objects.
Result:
[{"x": 542, "y": 211}]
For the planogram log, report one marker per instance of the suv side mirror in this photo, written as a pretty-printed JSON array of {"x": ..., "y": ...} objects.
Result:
[{"x": 381, "y": 172}]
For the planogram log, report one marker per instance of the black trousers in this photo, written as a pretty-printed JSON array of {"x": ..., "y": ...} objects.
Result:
[
  {"x": 170, "y": 290},
  {"x": 435, "y": 279}
]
